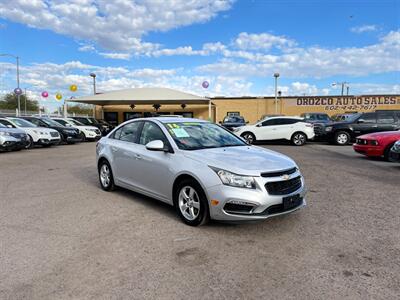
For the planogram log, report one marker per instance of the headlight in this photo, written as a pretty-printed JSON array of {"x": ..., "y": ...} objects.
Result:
[
  {"x": 235, "y": 180},
  {"x": 4, "y": 133},
  {"x": 328, "y": 128},
  {"x": 374, "y": 143}
]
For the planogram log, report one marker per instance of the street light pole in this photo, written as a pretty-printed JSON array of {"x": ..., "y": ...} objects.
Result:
[
  {"x": 276, "y": 75},
  {"x": 18, "y": 94},
  {"x": 93, "y": 75},
  {"x": 343, "y": 84}
]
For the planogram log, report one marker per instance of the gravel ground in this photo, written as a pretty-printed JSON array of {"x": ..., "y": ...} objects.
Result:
[{"x": 62, "y": 237}]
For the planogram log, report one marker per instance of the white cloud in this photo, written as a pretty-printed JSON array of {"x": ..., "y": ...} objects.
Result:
[
  {"x": 313, "y": 62},
  {"x": 114, "y": 25},
  {"x": 364, "y": 28},
  {"x": 115, "y": 55},
  {"x": 261, "y": 41}
]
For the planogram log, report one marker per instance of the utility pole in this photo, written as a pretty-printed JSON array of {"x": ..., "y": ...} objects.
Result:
[
  {"x": 93, "y": 75},
  {"x": 276, "y": 75}
]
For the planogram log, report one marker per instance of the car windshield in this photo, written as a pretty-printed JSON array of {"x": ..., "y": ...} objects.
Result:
[
  {"x": 22, "y": 123},
  {"x": 51, "y": 122},
  {"x": 93, "y": 121},
  {"x": 201, "y": 135},
  {"x": 2, "y": 126},
  {"x": 75, "y": 122}
]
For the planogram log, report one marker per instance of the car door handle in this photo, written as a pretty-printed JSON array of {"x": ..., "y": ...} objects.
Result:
[
  {"x": 114, "y": 149},
  {"x": 137, "y": 156}
]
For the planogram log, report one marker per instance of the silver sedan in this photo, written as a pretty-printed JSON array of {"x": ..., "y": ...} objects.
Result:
[{"x": 201, "y": 169}]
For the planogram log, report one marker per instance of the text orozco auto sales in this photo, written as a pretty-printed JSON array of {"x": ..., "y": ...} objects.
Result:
[{"x": 347, "y": 103}]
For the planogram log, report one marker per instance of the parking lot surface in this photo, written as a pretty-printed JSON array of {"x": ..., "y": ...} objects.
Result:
[{"x": 63, "y": 237}]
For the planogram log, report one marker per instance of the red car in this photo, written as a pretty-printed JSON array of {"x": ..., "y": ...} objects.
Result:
[{"x": 376, "y": 144}]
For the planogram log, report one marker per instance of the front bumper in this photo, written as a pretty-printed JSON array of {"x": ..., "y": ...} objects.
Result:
[
  {"x": 368, "y": 150},
  {"x": 264, "y": 204},
  {"x": 48, "y": 141}
]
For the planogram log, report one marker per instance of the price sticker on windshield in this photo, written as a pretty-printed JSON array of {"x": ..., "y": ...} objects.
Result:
[{"x": 180, "y": 133}]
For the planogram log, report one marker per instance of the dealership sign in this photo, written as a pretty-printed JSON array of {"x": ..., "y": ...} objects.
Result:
[{"x": 348, "y": 102}]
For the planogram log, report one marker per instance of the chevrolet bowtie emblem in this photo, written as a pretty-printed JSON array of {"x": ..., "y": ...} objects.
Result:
[{"x": 285, "y": 177}]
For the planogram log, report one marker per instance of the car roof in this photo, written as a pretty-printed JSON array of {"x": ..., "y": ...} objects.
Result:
[
  {"x": 283, "y": 117},
  {"x": 171, "y": 120}
]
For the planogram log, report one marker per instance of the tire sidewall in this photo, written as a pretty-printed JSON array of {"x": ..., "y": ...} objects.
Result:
[{"x": 204, "y": 214}]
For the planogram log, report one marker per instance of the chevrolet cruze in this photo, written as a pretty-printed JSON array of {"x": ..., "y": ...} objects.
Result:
[{"x": 200, "y": 168}]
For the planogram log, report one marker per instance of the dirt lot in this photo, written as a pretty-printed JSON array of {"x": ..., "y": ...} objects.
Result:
[{"x": 63, "y": 237}]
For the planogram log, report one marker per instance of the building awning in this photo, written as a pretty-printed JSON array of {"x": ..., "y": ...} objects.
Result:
[{"x": 142, "y": 96}]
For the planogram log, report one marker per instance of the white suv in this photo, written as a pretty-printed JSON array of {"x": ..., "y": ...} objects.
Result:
[
  {"x": 87, "y": 132},
  {"x": 36, "y": 135},
  {"x": 293, "y": 129}
]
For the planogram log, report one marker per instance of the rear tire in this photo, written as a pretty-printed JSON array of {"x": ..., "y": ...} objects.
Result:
[
  {"x": 106, "y": 176},
  {"x": 342, "y": 138},
  {"x": 298, "y": 139},
  {"x": 249, "y": 137},
  {"x": 191, "y": 203}
]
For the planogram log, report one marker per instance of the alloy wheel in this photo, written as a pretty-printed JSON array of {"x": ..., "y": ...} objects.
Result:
[
  {"x": 249, "y": 138},
  {"x": 189, "y": 203},
  {"x": 299, "y": 139},
  {"x": 105, "y": 175}
]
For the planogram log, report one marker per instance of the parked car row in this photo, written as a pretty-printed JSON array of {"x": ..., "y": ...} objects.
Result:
[{"x": 17, "y": 133}]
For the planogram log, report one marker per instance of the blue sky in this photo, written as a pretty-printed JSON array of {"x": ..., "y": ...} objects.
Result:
[{"x": 235, "y": 45}]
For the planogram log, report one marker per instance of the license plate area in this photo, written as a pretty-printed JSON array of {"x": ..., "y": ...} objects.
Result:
[{"x": 291, "y": 201}]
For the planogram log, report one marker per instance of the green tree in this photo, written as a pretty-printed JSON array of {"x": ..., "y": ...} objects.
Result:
[
  {"x": 80, "y": 109},
  {"x": 10, "y": 101}
]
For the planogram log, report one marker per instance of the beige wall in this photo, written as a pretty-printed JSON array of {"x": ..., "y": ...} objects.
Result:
[{"x": 252, "y": 108}]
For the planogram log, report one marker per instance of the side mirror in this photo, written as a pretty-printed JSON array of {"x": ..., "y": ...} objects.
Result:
[
  {"x": 9, "y": 126},
  {"x": 259, "y": 125},
  {"x": 247, "y": 122},
  {"x": 156, "y": 145},
  {"x": 360, "y": 121}
]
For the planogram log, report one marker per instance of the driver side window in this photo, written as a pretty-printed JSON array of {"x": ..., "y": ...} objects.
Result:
[{"x": 152, "y": 132}]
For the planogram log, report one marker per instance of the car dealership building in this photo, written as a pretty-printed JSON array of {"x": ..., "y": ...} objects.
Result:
[{"x": 119, "y": 106}]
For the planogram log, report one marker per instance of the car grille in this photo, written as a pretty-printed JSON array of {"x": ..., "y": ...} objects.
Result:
[
  {"x": 54, "y": 134},
  {"x": 278, "y": 208},
  {"x": 283, "y": 187},
  {"x": 319, "y": 129},
  {"x": 361, "y": 142},
  {"x": 279, "y": 173}
]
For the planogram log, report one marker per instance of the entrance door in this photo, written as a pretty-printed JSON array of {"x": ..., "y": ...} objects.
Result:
[{"x": 111, "y": 117}]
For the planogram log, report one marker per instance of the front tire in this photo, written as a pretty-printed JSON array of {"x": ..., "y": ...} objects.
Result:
[
  {"x": 342, "y": 138},
  {"x": 249, "y": 137},
  {"x": 386, "y": 153},
  {"x": 30, "y": 143},
  {"x": 191, "y": 203},
  {"x": 106, "y": 177},
  {"x": 298, "y": 139}
]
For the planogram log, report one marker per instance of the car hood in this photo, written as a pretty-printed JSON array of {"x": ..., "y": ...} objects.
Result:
[
  {"x": 243, "y": 160},
  {"x": 384, "y": 134},
  {"x": 12, "y": 130}
]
